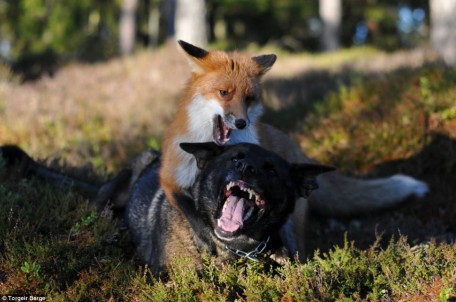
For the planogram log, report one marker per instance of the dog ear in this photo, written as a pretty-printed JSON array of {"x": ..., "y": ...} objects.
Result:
[
  {"x": 203, "y": 152},
  {"x": 306, "y": 176},
  {"x": 265, "y": 62}
]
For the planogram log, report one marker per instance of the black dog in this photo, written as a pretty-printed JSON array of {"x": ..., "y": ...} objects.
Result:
[
  {"x": 240, "y": 200},
  {"x": 236, "y": 207}
]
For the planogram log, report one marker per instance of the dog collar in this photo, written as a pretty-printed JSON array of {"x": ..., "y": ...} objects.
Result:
[{"x": 252, "y": 255}]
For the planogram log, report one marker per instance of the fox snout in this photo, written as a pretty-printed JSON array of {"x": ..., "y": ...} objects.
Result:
[
  {"x": 240, "y": 123},
  {"x": 235, "y": 122}
]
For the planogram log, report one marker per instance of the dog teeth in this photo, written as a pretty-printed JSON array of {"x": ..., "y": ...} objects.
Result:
[
  {"x": 230, "y": 185},
  {"x": 253, "y": 196},
  {"x": 250, "y": 194}
]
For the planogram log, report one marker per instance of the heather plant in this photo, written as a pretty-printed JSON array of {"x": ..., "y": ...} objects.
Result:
[{"x": 365, "y": 117}]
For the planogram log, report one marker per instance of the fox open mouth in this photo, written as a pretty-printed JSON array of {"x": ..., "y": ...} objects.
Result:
[
  {"x": 241, "y": 206},
  {"x": 221, "y": 131}
]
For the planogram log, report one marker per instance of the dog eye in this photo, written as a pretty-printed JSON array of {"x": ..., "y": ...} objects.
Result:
[
  {"x": 270, "y": 168},
  {"x": 238, "y": 157},
  {"x": 224, "y": 93}
]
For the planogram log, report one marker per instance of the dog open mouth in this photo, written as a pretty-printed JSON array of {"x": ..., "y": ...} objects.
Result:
[
  {"x": 241, "y": 206},
  {"x": 221, "y": 131}
]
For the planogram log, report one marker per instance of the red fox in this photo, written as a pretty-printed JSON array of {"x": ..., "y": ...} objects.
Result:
[{"x": 222, "y": 102}]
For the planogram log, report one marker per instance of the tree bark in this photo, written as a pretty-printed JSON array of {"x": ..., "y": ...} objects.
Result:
[
  {"x": 168, "y": 11},
  {"x": 153, "y": 24},
  {"x": 331, "y": 16},
  {"x": 443, "y": 29},
  {"x": 190, "y": 23},
  {"x": 127, "y": 27}
]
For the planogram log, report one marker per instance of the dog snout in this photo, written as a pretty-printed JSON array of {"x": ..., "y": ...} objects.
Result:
[
  {"x": 240, "y": 123},
  {"x": 245, "y": 168}
]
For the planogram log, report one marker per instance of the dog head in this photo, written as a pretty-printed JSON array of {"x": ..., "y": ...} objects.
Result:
[{"x": 245, "y": 192}]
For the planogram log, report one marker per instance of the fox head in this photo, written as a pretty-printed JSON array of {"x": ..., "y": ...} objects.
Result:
[{"x": 226, "y": 88}]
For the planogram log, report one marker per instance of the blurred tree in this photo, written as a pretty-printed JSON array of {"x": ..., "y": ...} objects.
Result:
[
  {"x": 288, "y": 24},
  {"x": 153, "y": 22},
  {"x": 127, "y": 26},
  {"x": 190, "y": 22},
  {"x": 443, "y": 28},
  {"x": 90, "y": 30},
  {"x": 168, "y": 9},
  {"x": 82, "y": 29},
  {"x": 331, "y": 16}
]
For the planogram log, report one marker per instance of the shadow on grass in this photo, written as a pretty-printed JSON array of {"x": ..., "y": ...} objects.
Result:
[
  {"x": 429, "y": 219},
  {"x": 297, "y": 95},
  {"x": 290, "y": 100}
]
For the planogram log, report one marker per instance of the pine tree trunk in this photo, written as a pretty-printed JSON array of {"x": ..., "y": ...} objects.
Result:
[
  {"x": 331, "y": 15},
  {"x": 443, "y": 29},
  {"x": 153, "y": 24},
  {"x": 127, "y": 27},
  {"x": 191, "y": 25}
]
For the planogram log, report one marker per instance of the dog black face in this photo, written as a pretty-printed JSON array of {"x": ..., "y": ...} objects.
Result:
[{"x": 246, "y": 192}]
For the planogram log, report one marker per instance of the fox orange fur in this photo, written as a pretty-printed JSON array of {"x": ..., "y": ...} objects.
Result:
[{"x": 222, "y": 102}]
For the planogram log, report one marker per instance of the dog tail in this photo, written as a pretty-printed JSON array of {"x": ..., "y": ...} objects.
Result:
[
  {"x": 113, "y": 192},
  {"x": 342, "y": 195},
  {"x": 15, "y": 159}
]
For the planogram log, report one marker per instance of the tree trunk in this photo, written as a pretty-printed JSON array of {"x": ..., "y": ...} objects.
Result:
[
  {"x": 153, "y": 24},
  {"x": 168, "y": 11},
  {"x": 331, "y": 15},
  {"x": 127, "y": 26},
  {"x": 191, "y": 25},
  {"x": 443, "y": 29}
]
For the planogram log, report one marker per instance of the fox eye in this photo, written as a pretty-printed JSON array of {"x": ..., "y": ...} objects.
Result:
[
  {"x": 224, "y": 93},
  {"x": 250, "y": 98}
]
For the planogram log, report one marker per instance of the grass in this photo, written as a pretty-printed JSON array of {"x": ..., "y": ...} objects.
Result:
[{"x": 368, "y": 113}]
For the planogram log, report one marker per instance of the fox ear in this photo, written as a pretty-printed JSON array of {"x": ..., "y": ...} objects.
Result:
[
  {"x": 265, "y": 62},
  {"x": 195, "y": 54},
  {"x": 203, "y": 152},
  {"x": 193, "y": 50},
  {"x": 306, "y": 176}
]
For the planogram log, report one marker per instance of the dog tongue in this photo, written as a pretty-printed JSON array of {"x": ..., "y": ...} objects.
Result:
[{"x": 231, "y": 219}]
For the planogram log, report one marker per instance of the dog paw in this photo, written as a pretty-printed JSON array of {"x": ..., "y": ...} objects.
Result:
[{"x": 415, "y": 187}]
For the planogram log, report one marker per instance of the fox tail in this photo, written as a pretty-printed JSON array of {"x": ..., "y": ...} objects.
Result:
[{"x": 342, "y": 195}]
